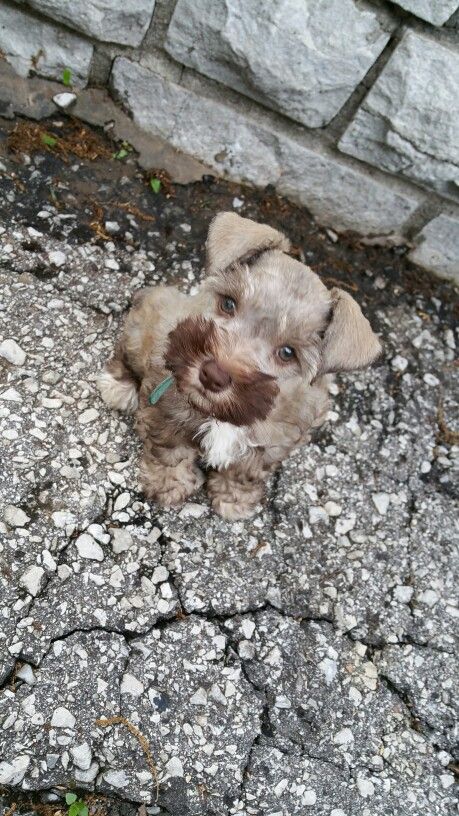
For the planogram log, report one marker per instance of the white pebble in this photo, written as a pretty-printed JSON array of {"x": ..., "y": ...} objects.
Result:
[
  {"x": 343, "y": 737},
  {"x": 403, "y": 593},
  {"x": 381, "y": 501},
  {"x": 399, "y": 363},
  {"x": 117, "y": 779},
  {"x": 64, "y": 100},
  {"x": 31, "y": 580},
  {"x": 130, "y": 685},
  {"x": 160, "y": 574},
  {"x": 122, "y": 540},
  {"x": 192, "y": 510},
  {"x": 82, "y": 756},
  {"x": 14, "y": 516},
  {"x": 174, "y": 767},
  {"x": 199, "y": 697},
  {"x": 12, "y": 352},
  {"x": 333, "y": 508},
  {"x": 121, "y": 501},
  {"x": 88, "y": 416},
  {"x": 112, "y": 227},
  {"x": 62, "y": 718},
  {"x": 309, "y": 797},
  {"x": 57, "y": 258},
  {"x": 365, "y": 786},
  {"x": 431, "y": 379},
  {"x": 88, "y": 548},
  {"x": 12, "y": 773}
]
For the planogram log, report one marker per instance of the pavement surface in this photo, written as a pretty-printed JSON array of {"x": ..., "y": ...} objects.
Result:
[{"x": 303, "y": 662}]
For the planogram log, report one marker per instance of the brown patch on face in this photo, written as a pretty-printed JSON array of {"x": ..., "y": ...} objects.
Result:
[
  {"x": 192, "y": 340},
  {"x": 251, "y": 397},
  {"x": 252, "y": 392}
]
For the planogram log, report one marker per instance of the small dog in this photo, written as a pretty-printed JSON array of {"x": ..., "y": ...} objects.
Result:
[{"x": 246, "y": 359}]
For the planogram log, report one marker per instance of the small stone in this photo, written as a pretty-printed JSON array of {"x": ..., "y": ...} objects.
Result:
[
  {"x": 14, "y": 516},
  {"x": 112, "y": 227},
  {"x": 88, "y": 548},
  {"x": 192, "y": 510},
  {"x": 117, "y": 779},
  {"x": 12, "y": 352},
  {"x": 199, "y": 697},
  {"x": 333, "y": 508},
  {"x": 62, "y": 718},
  {"x": 57, "y": 258},
  {"x": 399, "y": 363},
  {"x": 130, "y": 685},
  {"x": 343, "y": 737},
  {"x": 82, "y": 756},
  {"x": 110, "y": 263},
  {"x": 174, "y": 767},
  {"x": 431, "y": 379},
  {"x": 403, "y": 593},
  {"x": 26, "y": 673},
  {"x": 160, "y": 574},
  {"x": 122, "y": 540},
  {"x": 309, "y": 797},
  {"x": 64, "y": 100},
  {"x": 121, "y": 501},
  {"x": 317, "y": 514},
  {"x": 429, "y": 598},
  {"x": 88, "y": 416},
  {"x": 12, "y": 773},
  {"x": 381, "y": 501},
  {"x": 345, "y": 525},
  {"x": 31, "y": 580},
  {"x": 11, "y": 395},
  {"x": 365, "y": 786}
]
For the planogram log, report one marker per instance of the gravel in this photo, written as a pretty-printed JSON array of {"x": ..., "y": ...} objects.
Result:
[{"x": 300, "y": 662}]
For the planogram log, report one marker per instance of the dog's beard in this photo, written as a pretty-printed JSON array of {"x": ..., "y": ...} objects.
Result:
[{"x": 250, "y": 395}]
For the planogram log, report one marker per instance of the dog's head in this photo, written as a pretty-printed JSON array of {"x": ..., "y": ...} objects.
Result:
[{"x": 265, "y": 318}]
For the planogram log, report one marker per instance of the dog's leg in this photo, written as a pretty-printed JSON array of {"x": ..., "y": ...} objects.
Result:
[
  {"x": 169, "y": 475},
  {"x": 118, "y": 386},
  {"x": 236, "y": 491}
]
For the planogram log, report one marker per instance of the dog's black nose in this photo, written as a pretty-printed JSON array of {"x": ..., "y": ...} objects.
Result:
[{"x": 213, "y": 376}]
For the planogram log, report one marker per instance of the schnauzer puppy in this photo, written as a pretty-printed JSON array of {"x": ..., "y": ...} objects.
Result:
[{"x": 241, "y": 367}]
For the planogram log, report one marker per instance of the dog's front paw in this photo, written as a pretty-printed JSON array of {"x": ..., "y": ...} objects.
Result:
[
  {"x": 170, "y": 486},
  {"x": 232, "y": 499},
  {"x": 233, "y": 510}
]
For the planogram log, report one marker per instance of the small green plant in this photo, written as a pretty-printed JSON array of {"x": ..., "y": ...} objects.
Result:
[
  {"x": 48, "y": 140},
  {"x": 155, "y": 185},
  {"x": 66, "y": 77},
  {"x": 76, "y": 806},
  {"x": 124, "y": 151}
]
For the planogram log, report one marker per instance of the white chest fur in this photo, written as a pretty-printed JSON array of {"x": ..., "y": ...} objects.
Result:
[{"x": 223, "y": 443}]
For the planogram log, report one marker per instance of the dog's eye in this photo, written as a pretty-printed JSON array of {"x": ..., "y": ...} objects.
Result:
[
  {"x": 286, "y": 353},
  {"x": 227, "y": 305}
]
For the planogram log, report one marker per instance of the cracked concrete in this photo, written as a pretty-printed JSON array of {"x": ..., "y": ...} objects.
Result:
[{"x": 301, "y": 662}]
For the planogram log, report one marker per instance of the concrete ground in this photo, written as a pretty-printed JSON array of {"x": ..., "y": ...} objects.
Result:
[{"x": 303, "y": 662}]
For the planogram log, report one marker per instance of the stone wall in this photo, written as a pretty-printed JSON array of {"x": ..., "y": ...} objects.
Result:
[{"x": 349, "y": 107}]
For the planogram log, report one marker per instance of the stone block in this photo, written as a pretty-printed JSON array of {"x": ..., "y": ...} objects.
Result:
[
  {"x": 245, "y": 150},
  {"x": 301, "y": 57},
  {"x": 434, "y": 11},
  {"x": 408, "y": 122},
  {"x": 33, "y": 46},
  {"x": 106, "y": 20},
  {"x": 438, "y": 250}
]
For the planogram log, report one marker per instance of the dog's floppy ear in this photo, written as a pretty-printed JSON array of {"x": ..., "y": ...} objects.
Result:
[
  {"x": 232, "y": 238},
  {"x": 349, "y": 341}
]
